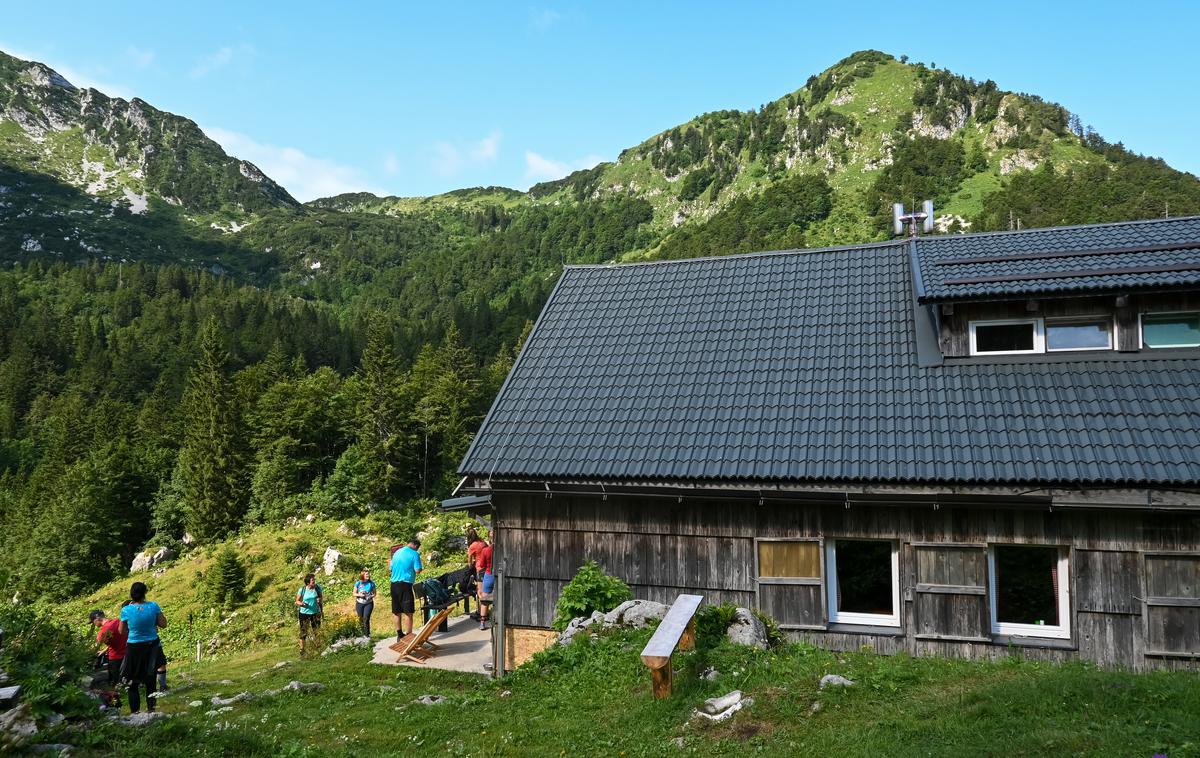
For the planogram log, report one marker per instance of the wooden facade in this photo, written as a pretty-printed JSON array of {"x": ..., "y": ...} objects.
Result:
[{"x": 1134, "y": 575}]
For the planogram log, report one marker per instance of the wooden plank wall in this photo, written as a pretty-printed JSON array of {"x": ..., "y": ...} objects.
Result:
[{"x": 662, "y": 548}]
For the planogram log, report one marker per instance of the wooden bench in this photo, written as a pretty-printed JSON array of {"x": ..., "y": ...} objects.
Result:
[{"x": 677, "y": 631}]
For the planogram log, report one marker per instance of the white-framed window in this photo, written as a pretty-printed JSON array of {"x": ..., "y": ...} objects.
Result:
[
  {"x": 1007, "y": 337},
  {"x": 863, "y": 582},
  {"x": 1083, "y": 333},
  {"x": 1029, "y": 590},
  {"x": 1179, "y": 329}
]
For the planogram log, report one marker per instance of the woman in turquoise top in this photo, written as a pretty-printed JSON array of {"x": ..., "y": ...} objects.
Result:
[
  {"x": 364, "y": 600},
  {"x": 310, "y": 604},
  {"x": 140, "y": 621}
]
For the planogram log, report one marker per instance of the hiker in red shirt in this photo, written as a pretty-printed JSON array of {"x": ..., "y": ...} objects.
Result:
[
  {"x": 483, "y": 569},
  {"x": 110, "y": 636}
]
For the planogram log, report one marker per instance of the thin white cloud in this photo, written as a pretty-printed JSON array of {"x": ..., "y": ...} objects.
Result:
[
  {"x": 449, "y": 159},
  {"x": 391, "y": 164},
  {"x": 221, "y": 58},
  {"x": 138, "y": 57},
  {"x": 543, "y": 19},
  {"x": 540, "y": 168},
  {"x": 72, "y": 75},
  {"x": 305, "y": 176}
]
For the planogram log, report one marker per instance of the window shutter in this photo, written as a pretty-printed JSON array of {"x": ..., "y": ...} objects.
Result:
[
  {"x": 1172, "y": 605},
  {"x": 951, "y": 600},
  {"x": 789, "y": 584}
]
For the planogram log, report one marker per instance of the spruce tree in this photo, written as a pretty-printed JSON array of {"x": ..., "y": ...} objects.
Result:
[
  {"x": 212, "y": 469},
  {"x": 385, "y": 439},
  {"x": 225, "y": 583}
]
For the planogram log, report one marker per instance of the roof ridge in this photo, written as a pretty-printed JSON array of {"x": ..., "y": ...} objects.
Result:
[
  {"x": 756, "y": 254},
  {"x": 1067, "y": 227}
]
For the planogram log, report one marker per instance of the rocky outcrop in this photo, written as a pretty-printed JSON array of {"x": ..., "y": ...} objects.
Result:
[
  {"x": 835, "y": 680},
  {"x": 146, "y": 560},
  {"x": 330, "y": 560},
  {"x": 348, "y": 643},
  {"x": 17, "y": 725}
]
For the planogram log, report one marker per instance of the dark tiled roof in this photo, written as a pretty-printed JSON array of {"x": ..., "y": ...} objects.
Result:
[
  {"x": 801, "y": 366},
  {"x": 1101, "y": 257}
]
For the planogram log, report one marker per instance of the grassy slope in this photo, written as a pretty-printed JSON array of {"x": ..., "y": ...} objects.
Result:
[
  {"x": 268, "y": 614},
  {"x": 594, "y": 699}
]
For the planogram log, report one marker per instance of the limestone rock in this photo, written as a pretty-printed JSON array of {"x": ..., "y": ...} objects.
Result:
[
  {"x": 241, "y": 697},
  {"x": 747, "y": 630},
  {"x": 635, "y": 614},
  {"x": 431, "y": 699},
  {"x": 330, "y": 561},
  {"x": 195, "y": 704},
  {"x": 17, "y": 725},
  {"x": 188, "y": 539},
  {"x": 347, "y": 643},
  {"x": 54, "y": 748},
  {"x": 146, "y": 560},
  {"x": 578, "y": 625},
  {"x": 721, "y": 708},
  {"x": 142, "y": 718},
  {"x": 835, "y": 680}
]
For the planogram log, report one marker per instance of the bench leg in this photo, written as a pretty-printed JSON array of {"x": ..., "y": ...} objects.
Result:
[
  {"x": 662, "y": 679},
  {"x": 687, "y": 640}
]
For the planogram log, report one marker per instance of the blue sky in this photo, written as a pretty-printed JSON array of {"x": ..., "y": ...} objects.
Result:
[{"x": 410, "y": 99}]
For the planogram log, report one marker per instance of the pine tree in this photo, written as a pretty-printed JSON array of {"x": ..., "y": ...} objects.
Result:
[
  {"x": 225, "y": 584},
  {"x": 212, "y": 470}
]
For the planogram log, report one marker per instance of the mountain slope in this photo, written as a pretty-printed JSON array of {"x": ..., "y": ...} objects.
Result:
[
  {"x": 879, "y": 130},
  {"x": 83, "y": 174}
]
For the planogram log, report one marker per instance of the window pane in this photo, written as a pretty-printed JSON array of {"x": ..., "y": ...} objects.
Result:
[
  {"x": 789, "y": 559},
  {"x": 1171, "y": 329},
  {"x": 997, "y": 338},
  {"x": 1077, "y": 335},
  {"x": 864, "y": 577},
  {"x": 1027, "y": 585}
]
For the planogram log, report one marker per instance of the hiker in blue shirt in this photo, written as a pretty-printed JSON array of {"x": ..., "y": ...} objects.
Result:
[
  {"x": 406, "y": 564},
  {"x": 310, "y": 603},
  {"x": 364, "y": 600},
  {"x": 140, "y": 622}
]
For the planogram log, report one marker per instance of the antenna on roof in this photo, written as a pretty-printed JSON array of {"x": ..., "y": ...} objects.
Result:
[{"x": 900, "y": 219}]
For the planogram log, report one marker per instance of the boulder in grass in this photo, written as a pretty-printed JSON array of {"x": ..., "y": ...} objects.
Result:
[
  {"x": 9, "y": 696},
  {"x": 835, "y": 680},
  {"x": 721, "y": 708},
  {"x": 747, "y": 630}
]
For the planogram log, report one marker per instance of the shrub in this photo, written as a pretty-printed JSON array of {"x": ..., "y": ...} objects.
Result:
[
  {"x": 339, "y": 626},
  {"x": 225, "y": 584},
  {"x": 590, "y": 590},
  {"x": 47, "y": 659},
  {"x": 298, "y": 549},
  {"x": 711, "y": 623}
]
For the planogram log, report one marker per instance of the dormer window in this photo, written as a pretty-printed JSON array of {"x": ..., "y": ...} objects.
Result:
[
  {"x": 1038, "y": 335},
  {"x": 1171, "y": 329},
  {"x": 1079, "y": 334},
  {"x": 1007, "y": 337}
]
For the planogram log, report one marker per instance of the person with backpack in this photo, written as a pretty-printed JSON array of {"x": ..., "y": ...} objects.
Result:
[
  {"x": 140, "y": 622},
  {"x": 364, "y": 600},
  {"x": 109, "y": 635},
  {"x": 405, "y": 565},
  {"x": 310, "y": 602}
]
